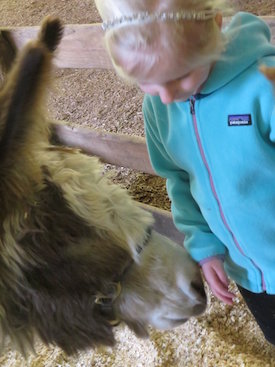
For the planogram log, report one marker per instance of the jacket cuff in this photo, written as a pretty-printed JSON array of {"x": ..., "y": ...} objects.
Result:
[{"x": 207, "y": 259}]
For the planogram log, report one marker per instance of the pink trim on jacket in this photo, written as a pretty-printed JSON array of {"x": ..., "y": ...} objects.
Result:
[{"x": 192, "y": 109}]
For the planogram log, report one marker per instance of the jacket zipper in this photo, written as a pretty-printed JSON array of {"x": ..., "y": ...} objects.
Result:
[{"x": 192, "y": 101}]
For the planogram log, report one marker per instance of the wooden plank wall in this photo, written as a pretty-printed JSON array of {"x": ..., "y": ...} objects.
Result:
[
  {"x": 117, "y": 149},
  {"x": 82, "y": 45}
]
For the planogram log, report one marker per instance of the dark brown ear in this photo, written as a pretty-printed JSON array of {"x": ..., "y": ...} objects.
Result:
[
  {"x": 25, "y": 85},
  {"x": 7, "y": 54},
  {"x": 20, "y": 96},
  {"x": 51, "y": 33}
]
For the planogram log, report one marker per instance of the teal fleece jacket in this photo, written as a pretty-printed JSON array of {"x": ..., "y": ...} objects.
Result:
[{"x": 217, "y": 152}]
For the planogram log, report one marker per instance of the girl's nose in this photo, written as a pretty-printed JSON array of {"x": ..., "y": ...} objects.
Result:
[{"x": 166, "y": 95}]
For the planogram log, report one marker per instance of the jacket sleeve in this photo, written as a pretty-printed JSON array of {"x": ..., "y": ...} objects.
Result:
[{"x": 199, "y": 241}]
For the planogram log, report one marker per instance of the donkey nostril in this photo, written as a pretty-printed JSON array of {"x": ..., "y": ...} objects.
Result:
[{"x": 199, "y": 288}]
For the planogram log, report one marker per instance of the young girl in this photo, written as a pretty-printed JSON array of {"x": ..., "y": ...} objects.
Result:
[{"x": 210, "y": 129}]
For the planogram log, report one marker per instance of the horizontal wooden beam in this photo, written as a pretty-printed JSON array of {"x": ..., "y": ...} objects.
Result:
[
  {"x": 82, "y": 45},
  {"x": 164, "y": 223},
  {"x": 118, "y": 149}
]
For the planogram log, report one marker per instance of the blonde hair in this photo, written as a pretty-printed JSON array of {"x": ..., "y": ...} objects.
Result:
[{"x": 135, "y": 42}]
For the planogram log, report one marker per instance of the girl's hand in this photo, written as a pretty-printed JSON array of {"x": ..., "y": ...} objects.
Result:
[{"x": 217, "y": 280}]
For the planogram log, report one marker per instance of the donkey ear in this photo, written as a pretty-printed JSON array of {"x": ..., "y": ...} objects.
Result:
[
  {"x": 7, "y": 54},
  {"x": 51, "y": 33},
  {"x": 19, "y": 97},
  {"x": 25, "y": 86}
]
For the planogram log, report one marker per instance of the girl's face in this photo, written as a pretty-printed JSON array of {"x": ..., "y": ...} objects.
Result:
[
  {"x": 176, "y": 83},
  {"x": 173, "y": 73},
  {"x": 170, "y": 77}
]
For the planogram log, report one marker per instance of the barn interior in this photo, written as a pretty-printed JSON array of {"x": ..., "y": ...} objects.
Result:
[{"x": 99, "y": 99}]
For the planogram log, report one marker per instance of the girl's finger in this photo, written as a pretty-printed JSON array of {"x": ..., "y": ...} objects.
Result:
[
  {"x": 226, "y": 297},
  {"x": 227, "y": 300},
  {"x": 221, "y": 274}
]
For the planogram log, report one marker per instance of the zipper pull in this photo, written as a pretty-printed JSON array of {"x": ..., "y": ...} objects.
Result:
[{"x": 192, "y": 105}]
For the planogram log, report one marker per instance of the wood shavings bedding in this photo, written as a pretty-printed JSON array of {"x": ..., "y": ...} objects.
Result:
[{"x": 224, "y": 336}]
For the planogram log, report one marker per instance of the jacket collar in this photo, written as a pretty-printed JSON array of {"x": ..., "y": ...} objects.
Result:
[{"x": 247, "y": 41}]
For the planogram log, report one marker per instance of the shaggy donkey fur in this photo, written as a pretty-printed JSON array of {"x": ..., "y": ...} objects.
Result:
[{"x": 67, "y": 235}]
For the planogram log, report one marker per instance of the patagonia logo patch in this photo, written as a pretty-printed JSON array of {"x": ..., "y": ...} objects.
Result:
[{"x": 239, "y": 120}]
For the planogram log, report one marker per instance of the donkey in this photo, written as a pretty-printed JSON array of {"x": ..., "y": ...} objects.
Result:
[{"x": 77, "y": 254}]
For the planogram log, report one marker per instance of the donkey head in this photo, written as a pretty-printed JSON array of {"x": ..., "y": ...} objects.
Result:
[
  {"x": 77, "y": 254},
  {"x": 164, "y": 289}
]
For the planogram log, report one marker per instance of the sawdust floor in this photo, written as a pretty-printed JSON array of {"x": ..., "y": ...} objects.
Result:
[{"x": 224, "y": 336}]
